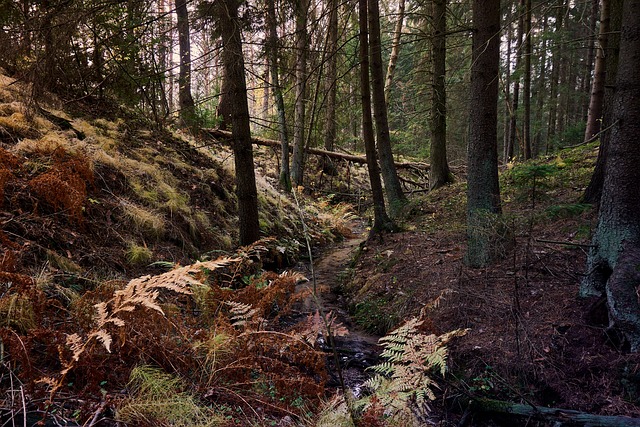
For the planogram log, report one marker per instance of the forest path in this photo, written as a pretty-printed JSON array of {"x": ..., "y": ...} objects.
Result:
[{"x": 358, "y": 349}]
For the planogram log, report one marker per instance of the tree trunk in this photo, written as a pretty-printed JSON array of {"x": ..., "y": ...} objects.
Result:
[
  {"x": 483, "y": 192},
  {"x": 541, "y": 91},
  {"x": 507, "y": 91},
  {"x": 555, "y": 76},
  {"x": 393, "y": 189},
  {"x": 526, "y": 120},
  {"x": 330, "y": 88},
  {"x": 513, "y": 130},
  {"x": 381, "y": 221},
  {"x": 615, "y": 257},
  {"x": 395, "y": 51},
  {"x": 272, "y": 51},
  {"x": 297, "y": 166},
  {"x": 593, "y": 27},
  {"x": 440, "y": 173},
  {"x": 594, "y": 189},
  {"x": 596, "y": 101},
  {"x": 185, "y": 99},
  {"x": 230, "y": 26}
]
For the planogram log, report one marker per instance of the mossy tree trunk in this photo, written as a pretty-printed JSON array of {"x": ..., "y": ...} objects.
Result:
[
  {"x": 614, "y": 261},
  {"x": 230, "y": 26},
  {"x": 483, "y": 192}
]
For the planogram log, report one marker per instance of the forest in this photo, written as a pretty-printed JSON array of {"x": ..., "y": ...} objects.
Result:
[{"x": 283, "y": 213}]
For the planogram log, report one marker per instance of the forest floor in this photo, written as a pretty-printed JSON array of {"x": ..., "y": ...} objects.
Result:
[{"x": 531, "y": 339}]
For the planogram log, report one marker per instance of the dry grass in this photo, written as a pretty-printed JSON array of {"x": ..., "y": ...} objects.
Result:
[{"x": 145, "y": 220}]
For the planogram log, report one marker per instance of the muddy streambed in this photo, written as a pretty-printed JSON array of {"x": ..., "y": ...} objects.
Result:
[{"x": 358, "y": 349}]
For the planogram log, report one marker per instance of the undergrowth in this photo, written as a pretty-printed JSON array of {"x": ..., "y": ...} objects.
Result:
[{"x": 181, "y": 342}]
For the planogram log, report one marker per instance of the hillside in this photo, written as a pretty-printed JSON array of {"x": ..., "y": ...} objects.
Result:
[{"x": 90, "y": 205}]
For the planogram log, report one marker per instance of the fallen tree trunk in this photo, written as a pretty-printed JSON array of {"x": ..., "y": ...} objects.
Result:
[
  {"x": 217, "y": 133},
  {"x": 557, "y": 415}
]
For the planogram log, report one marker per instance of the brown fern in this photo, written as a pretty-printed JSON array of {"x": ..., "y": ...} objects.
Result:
[{"x": 64, "y": 186}]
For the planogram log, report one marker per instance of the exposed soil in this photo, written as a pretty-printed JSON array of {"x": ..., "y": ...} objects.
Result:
[{"x": 530, "y": 336}]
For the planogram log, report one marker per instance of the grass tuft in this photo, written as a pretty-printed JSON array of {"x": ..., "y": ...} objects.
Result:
[{"x": 157, "y": 398}]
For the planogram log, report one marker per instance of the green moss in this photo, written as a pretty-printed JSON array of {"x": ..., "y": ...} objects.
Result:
[
  {"x": 137, "y": 255},
  {"x": 375, "y": 315}
]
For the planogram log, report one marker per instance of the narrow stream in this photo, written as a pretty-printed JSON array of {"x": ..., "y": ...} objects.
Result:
[{"x": 358, "y": 349}]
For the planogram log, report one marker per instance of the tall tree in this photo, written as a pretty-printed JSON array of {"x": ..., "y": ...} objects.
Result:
[
  {"x": 526, "y": 95},
  {"x": 614, "y": 258},
  {"x": 395, "y": 51},
  {"x": 593, "y": 191},
  {"x": 483, "y": 192},
  {"x": 272, "y": 52},
  {"x": 392, "y": 187},
  {"x": 381, "y": 221},
  {"x": 301, "y": 9},
  {"x": 185, "y": 99},
  {"x": 541, "y": 92},
  {"x": 594, "y": 116},
  {"x": 233, "y": 59},
  {"x": 439, "y": 173},
  {"x": 591, "y": 34},
  {"x": 556, "y": 64},
  {"x": 331, "y": 81},
  {"x": 513, "y": 131}
]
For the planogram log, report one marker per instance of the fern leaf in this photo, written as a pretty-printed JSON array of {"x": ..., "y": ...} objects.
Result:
[{"x": 104, "y": 337}]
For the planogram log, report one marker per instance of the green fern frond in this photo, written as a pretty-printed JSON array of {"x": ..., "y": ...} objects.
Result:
[{"x": 406, "y": 378}]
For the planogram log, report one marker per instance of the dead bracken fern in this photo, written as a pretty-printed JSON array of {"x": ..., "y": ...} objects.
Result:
[
  {"x": 405, "y": 380},
  {"x": 140, "y": 292}
]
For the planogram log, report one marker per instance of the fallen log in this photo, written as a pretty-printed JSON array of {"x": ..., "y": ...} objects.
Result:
[
  {"x": 217, "y": 133},
  {"x": 559, "y": 416}
]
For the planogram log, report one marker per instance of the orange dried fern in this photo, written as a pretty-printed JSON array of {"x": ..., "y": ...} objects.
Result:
[{"x": 64, "y": 186}]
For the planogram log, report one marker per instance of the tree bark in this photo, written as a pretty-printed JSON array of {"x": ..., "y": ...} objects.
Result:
[
  {"x": 395, "y": 51},
  {"x": 596, "y": 101},
  {"x": 586, "y": 81},
  {"x": 593, "y": 191},
  {"x": 246, "y": 191},
  {"x": 297, "y": 167},
  {"x": 483, "y": 192},
  {"x": 541, "y": 91},
  {"x": 272, "y": 50},
  {"x": 331, "y": 81},
  {"x": 526, "y": 120},
  {"x": 381, "y": 221},
  {"x": 185, "y": 99},
  {"x": 556, "y": 63},
  {"x": 440, "y": 173},
  {"x": 395, "y": 197},
  {"x": 615, "y": 258},
  {"x": 513, "y": 130}
]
